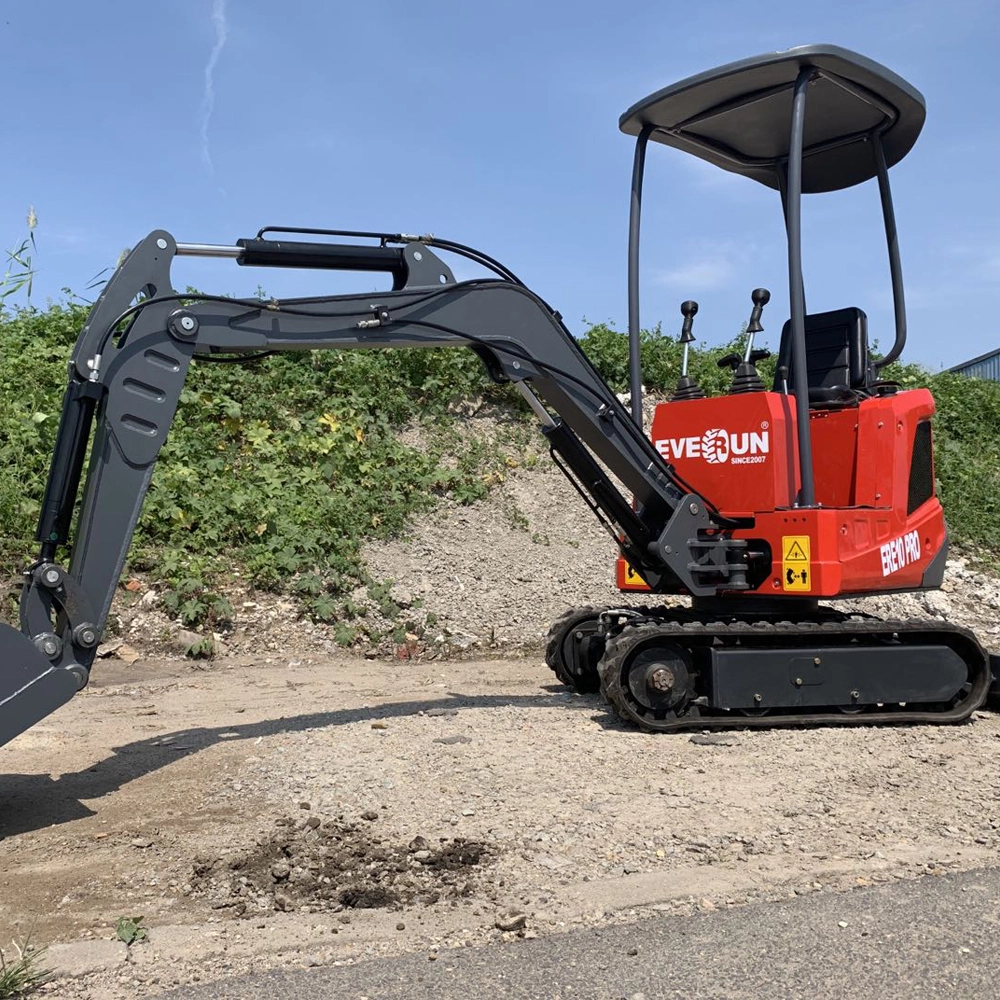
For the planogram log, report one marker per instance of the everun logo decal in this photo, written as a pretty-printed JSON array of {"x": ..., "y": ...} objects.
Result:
[{"x": 717, "y": 446}]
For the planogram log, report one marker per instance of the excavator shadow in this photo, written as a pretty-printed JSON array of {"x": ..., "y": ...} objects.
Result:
[{"x": 34, "y": 801}]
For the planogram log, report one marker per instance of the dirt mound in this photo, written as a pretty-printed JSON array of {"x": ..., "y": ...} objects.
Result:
[{"x": 315, "y": 866}]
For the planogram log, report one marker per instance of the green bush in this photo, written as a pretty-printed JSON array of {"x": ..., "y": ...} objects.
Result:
[
  {"x": 661, "y": 355},
  {"x": 275, "y": 472},
  {"x": 280, "y": 473}
]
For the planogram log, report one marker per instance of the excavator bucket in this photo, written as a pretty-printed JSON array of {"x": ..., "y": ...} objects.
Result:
[{"x": 31, "y": 687}]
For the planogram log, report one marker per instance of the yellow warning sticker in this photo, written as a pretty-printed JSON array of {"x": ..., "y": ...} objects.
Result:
[
  {"x": 796, "y": 565},
  {"x": 631, "y": 577}
]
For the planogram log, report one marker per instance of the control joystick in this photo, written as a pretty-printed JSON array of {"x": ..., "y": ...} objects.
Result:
[
  {"x": 687, "y": 387},
  {"x": 745, "y": 375}
]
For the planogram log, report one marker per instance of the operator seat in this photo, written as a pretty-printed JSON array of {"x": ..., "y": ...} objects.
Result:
[{"x": 837, "y": 359}]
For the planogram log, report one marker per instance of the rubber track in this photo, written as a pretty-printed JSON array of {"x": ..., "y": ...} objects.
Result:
[
  {"x": 784, "y": 635},
  {"x": 554, "y": 648}
]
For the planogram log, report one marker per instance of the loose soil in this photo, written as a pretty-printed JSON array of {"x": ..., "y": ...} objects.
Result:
[{"x": 289, "y": 803}]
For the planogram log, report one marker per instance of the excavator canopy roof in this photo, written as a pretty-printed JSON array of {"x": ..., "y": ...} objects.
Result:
[{"x": 738, "y": 116}]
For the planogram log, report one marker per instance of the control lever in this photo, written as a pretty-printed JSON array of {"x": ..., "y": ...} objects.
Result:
[
  {"x": 687, "y": 387},
  {"x": 745, "y": 376}
]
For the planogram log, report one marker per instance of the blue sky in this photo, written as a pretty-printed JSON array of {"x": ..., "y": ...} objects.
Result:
[{"x": 494, "y": 125}]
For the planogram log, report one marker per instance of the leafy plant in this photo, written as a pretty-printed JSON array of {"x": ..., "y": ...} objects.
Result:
[{"x": 130, "y": 931}]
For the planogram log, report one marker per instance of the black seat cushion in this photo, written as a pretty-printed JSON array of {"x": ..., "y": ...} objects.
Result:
[{"x": 836, "y": 353}]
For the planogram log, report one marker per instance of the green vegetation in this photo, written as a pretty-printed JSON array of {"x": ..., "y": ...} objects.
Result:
[
  {"x": 966, "y": 454},
  {"x": 279, "y": 471},
  {"x": 129, "y": 930},
  {"x": 22, "y": 975}
]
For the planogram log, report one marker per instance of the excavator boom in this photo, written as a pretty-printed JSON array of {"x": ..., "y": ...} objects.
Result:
[{"x": 128, "y": 369}]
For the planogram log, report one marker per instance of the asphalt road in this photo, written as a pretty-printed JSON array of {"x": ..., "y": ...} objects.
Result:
[{"x": 934, "y": 937}]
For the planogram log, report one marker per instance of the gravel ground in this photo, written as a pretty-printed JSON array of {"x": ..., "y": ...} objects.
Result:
[{"x": 449, "y": 804}]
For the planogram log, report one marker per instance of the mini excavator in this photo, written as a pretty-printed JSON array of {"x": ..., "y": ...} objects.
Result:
[{"x": 756, "y": 504}]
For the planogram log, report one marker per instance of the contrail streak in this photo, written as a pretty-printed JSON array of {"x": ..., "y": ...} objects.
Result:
[{"x": 208, "y": 100}]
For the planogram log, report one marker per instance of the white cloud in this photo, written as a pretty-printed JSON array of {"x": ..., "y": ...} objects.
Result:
[
  {"x": 208, "y": 99},
  {"x": 699, "y": 275}
]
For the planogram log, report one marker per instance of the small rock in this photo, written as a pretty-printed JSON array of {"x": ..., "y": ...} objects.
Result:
[
  {"x": 142, "y": 842},
  {"x": 380, "y": 725},
  {"x": 184, "y": 639},
  {"x": 81, "y": 958},
  {"x": 432, "y": 957},
  {"x": 401, "y": 926},
  {"x": 462, "y": 640},
  {"x": 451, "y": 740},
  {"x": 313, "y": 822},
  {"x": 283, "y": 903},
  {"x": 511, "y": 920},
  {"x": 127, "y": 654},
  {"x": 632, "y": 952},
  {"x": 436, "y": 713},
  {"x": 280, "y": 871},
  {"x": 305, "y": 805},
  {"x": 107, "y": 648},
  {"x": 715, "y": 740},
  {"x": 370, "y": 814},
  {"x": 706, "y": 904},
  {"x": 841, "y": 923}
]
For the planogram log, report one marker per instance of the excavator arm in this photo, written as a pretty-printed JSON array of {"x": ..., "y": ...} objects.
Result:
[{"x": 129, "y": 365}]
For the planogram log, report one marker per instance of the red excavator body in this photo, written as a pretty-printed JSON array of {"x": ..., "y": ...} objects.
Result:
[{"x": 877, "y": 524}]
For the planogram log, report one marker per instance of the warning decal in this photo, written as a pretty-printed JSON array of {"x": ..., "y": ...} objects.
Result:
[{"x": 796, "y": 565}]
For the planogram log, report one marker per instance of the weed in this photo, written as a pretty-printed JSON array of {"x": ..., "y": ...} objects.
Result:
[
  {"x": 203, "y": 649},
  {"x": 20, "y": 270},
  {"x": 516, "y": 517},
  {"x": 22, "y": 975},
  {"x": 130, "y": 931}
]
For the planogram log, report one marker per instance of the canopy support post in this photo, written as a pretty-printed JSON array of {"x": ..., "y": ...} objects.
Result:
[
  {"x": 895, "y": 267},
  {"x": 635, "y": 211},
  {"x": 796, "y": 295}
]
